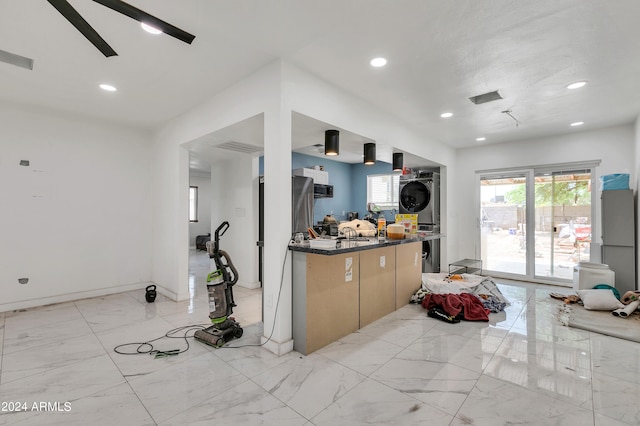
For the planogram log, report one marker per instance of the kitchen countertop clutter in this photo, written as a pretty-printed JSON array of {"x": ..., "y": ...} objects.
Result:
[{"x": 336, "y": 246}]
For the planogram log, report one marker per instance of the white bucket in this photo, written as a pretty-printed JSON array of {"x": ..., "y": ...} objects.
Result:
[{"x": 587, "y": 275}]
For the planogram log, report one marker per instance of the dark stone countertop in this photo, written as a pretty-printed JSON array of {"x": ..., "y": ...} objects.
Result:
[{"x": 354, "y": 246}]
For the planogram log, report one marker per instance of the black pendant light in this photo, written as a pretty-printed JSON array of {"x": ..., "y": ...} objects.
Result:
[
  {"x": 397, "y": 161},
  {"x": 369, "y": 153},
  {"x": 331, "y": 143}
]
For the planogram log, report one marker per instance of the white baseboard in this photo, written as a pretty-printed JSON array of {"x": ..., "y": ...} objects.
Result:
[
  {"x": 42, "y": 301},
  {"x": 277, "y": 347},
  {"x": 249, "y": 285},
  {"x": 167, "y": 293}
]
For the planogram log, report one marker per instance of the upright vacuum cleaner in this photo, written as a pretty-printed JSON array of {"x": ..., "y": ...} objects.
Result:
[{"x": 220, "y": 289}]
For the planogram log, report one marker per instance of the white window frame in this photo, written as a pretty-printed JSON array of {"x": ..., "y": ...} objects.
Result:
[
  {"x": 388, "y": 198},
  {"x": 531, "y": 171},
  {"x": 193, "y": 203}
]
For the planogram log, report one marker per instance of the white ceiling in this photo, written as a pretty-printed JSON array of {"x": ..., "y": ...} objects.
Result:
[{"x": 440, "y": 53}]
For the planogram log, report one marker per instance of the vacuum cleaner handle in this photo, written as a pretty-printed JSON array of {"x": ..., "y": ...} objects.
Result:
[
  {"x": 219, "y": 233},
  {"x": 222, "y": 229}
]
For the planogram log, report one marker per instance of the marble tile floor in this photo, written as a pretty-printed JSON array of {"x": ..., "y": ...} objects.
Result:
[{"x": 58, "y": 367}]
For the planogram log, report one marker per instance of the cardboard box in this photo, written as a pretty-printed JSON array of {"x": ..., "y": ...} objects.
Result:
[{"x": 410, "y": 222}]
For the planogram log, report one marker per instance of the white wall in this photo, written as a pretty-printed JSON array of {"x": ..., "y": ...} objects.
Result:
[
  {"x": 613, "y": 146},
  {"x": 235, "y": 200},
  {"x": 203, "y": 225},
  {"x": 77, "y": 220},
  {"x": 250, "y": 97}
]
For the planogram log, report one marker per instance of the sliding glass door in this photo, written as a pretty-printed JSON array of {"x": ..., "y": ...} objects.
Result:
[
  {"x": 503, "y": 230},
  {"x": 563, "y": 221},
  {"x": 536, "y": 223}
]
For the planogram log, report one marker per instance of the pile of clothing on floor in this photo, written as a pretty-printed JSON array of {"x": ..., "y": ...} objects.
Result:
[{"x": 455, "y": 297}]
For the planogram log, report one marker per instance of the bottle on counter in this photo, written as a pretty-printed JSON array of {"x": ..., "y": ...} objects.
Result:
[{"x": 382, "y": 228}]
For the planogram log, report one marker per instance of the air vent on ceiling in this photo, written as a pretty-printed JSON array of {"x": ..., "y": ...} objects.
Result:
[
  {"x": 239, "y": 147},
  {"x": 17, "y": 60},
  {"x": 485, "y": 97}
]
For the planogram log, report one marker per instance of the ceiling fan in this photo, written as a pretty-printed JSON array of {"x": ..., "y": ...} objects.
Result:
[{"x": 92, "y": 35}]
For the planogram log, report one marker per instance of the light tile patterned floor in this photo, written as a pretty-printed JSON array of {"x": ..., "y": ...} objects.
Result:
[{"x": 523, "y": 367}]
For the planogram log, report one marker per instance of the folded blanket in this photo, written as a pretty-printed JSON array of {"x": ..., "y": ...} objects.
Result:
[{"x": 469, "y": 305}]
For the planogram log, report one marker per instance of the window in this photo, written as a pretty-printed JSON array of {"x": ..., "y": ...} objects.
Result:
[
  {"x": 193, "y": 204},
  {"x": 382, "y": 190}
]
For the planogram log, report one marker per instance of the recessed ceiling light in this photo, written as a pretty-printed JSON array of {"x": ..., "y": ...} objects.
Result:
[
  {"x": 378, "y": 62},
  {"x": 576, "y": 85},
  {"x": 577, "y": 123},
  {"x": 108, "y": 87},
  {"x": 446, "y": 114},
  {"x": 148, "y": 28},
  {"x": 481, "y": 139}
]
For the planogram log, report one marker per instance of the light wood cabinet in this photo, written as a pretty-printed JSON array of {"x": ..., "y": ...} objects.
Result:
[
  {"x": 408, "y": 272},
  {"x": 335, "y": 295},
  {"x": 326, "y": 308},
  {"x": 377, "y": 284}
]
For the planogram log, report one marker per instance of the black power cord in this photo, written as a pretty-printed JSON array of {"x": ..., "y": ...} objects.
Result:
[{"x": 148, "y": 348}]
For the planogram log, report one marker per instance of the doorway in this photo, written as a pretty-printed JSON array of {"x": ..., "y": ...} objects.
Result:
[{"x": 536, "y": 223}]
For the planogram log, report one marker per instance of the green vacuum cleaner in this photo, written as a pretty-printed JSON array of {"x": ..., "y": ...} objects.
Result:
[{"x": 220, "y": 290}]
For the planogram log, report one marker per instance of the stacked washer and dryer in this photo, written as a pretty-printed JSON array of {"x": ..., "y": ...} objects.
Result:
[{"x": 420, "y": 194}]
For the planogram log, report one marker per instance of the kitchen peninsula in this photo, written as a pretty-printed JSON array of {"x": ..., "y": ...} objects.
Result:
[{"x": 336, "y": 291}]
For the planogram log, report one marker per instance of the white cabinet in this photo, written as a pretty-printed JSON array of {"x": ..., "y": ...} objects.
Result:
[{"x": 319, "y": 176}]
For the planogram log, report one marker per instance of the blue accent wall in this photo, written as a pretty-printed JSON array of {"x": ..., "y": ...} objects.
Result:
[
  {"x": 359, "y": 173},
  {"x": 349, "y": 185},
  {"x": 339, "y": 177}
]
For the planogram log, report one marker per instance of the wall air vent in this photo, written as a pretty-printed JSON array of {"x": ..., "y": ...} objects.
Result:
[
  {"x": 485, "y": 97},
  {"x": 239, "y": 147}
]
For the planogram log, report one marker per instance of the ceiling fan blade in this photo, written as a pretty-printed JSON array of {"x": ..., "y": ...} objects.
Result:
[
  {"x": 141, "y": 16},
  {"x": 83, "y": 26},
  {"x": 17, "y": 60}
]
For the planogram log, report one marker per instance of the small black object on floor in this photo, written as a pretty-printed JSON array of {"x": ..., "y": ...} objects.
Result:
[
  {"x": 439, "y": 313},
  {"x": 150, "y": 294}
]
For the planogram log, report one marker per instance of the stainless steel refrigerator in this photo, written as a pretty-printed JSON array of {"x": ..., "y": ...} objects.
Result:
[
  {"x": 618, "y": 237},
  {"x": 301, "y": 204},
  {"x": 301, "y": 211}
]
